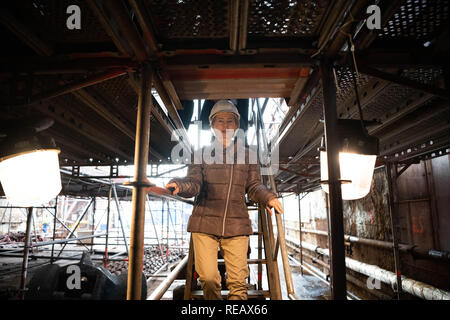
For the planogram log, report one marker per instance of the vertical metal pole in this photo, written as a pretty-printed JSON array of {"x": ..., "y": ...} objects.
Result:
[
  {"x": 162, "y": 220},
  {"x": 167, "y": 233},
  {"x": 35, "y": 235},
  {"x": 154, "y": 228},
  {"x": 120, "y": 218},
  {"x": 171, "y": 221},
  {"x": 94, "y": 209},
  {"x": 336, "y": 238},
  {"x": 259, "y": 251},
  {"x": 199, "y": 128},
  {"x": 108, "y": 210},
  {"x": 135, "y": 266},
  {"x": 9, "y": 221},
  {"x": 300, "y": 232},
  {"x": 182, "y": 225},
  {"x": 54, "y": 229},
  {"x": 393, "y": 213},
  {"x": 23, "y": 278}
]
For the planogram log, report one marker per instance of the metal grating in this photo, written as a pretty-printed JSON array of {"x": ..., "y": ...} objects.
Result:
[
  {"x": 345, "y": 84},
  {"x": 389, "y": 99},
  {"x": 420, "y": 130},
  {"x": 305, "y": 127},
  {"x": 423, "y": 75},
  {"x": 189, "y": 19},
  {"x": 417, "y": 19},
  {"x": 120, "y": 96},
  {"x": 285, "y": 18}
]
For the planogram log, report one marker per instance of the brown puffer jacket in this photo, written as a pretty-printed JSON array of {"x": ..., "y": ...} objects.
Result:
[{"x": 220, "y": 190}]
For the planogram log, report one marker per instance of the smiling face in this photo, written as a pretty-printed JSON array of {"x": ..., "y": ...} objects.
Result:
[{"x": 223, "y": 122}]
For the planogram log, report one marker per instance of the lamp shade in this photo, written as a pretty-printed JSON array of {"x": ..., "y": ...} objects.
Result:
[
  {"x": 357, "y": 168},
  {"x": 31, "y": 178}
]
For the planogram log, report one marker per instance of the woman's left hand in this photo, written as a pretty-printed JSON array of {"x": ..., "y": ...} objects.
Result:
[{"x": 276, "y": 204}]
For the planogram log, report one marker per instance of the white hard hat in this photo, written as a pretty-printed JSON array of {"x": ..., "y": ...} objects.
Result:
[{"x": 223, "y": 106}]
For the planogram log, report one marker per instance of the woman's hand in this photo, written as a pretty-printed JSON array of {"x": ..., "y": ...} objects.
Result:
[
  {"x": 174, "y": 186},
  {"x": 276, "y": 204}
]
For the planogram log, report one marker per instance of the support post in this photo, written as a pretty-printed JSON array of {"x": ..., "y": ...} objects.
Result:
[
  {"x": 393, "y": 213},
  {"x": 336, "y": 239},
  {"x": 139, "y": 188},
  {"x": 108, "y": 210},
  {"x": 54, "y": 228},
  {"x": 120, "y": 218},
  {"x": 23, "y": 278},
  {"x": 300, "y": 232}
]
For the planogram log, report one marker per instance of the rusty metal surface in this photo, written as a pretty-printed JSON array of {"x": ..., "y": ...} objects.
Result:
[{"x": 369, "y": 217}]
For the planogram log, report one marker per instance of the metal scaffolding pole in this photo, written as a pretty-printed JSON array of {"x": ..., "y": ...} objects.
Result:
[
  {"x": 300, "y": 231},
  {"x": 54, "y": 228},
  {"x": 391, "y": 175},
  {"x": 336, "y": 220},
  {"x": 156, "y": 232},
  {"x": 23, "y": 278},
  {"x": 42, "y": 244},
  {"x": 171, "y": 221},
  {"x": 77, "y": 223},
  {"x": 281, "y": 242},
  {"x": 139, "y": 185},
  {"x": 105, "y": 260},
  {"x": 94, "y": 209},
  {"x": 120, "y": 217}
]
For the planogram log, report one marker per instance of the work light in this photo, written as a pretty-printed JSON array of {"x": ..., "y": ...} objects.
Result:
[
  {"x": 357, "y": 156},
  {"x": 29, "y": 171}
]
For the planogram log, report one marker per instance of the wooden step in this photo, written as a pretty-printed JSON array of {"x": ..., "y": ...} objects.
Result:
[{"x": 251, "y": 293}]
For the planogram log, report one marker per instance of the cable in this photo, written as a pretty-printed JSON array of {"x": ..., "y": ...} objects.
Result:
[{"x": 353, "y": 69}]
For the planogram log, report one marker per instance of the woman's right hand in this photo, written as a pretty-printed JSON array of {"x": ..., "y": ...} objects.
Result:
[{"x": 174, "y": 186}]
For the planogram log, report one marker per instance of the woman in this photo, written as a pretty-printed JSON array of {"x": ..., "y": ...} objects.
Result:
[{"x": 220, "y": 217}]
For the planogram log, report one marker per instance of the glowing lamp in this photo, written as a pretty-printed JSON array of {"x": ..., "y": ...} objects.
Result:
[
  {"x": 357, "y": 157},
  {"x": 29, "y": 172}
]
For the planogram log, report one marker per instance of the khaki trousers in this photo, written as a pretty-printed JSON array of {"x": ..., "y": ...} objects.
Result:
[{"x": 235, "y": 256}]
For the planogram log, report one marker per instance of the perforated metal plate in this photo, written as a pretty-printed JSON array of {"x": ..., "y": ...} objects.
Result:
[
  {"x": 285, "y": 18},
  {"x": 345, "y": 83},
  {"x": 417, "y": 19},
  {"x": 424, "y": 75},
  {"x": 189, "y": 19}
]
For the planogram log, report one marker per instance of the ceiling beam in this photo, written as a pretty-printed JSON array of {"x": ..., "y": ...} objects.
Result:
[
  {"x": 80, "y": 126},
  {"x": 127, "y": 28},
  {"x": 144, "y": 22},
  {"x": 104, "y": 112},
  {"x": 233, "y": 24},
  {"x": 23, "y": 33},
  {"x": 243, "y": 26},
  {"x": 47, "y": 65},
  {"x": 262, "y": 60},
  {"x": 438, "y": 92},
  {"x": 76, "y": 85}
]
